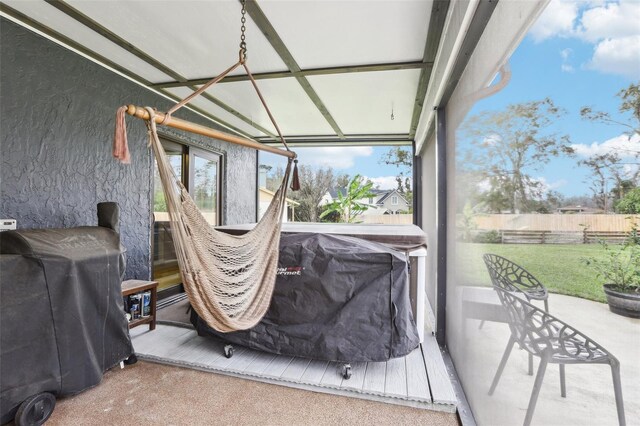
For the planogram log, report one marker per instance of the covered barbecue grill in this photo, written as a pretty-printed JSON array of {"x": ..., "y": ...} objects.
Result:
[
  {"x": 336, "y": 298},
  {"x": 61, "y": 316}
]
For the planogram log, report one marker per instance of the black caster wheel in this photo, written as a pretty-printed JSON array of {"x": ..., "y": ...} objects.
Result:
[
  {"x": 228, "y": 351},
  {"x": 35, "y": 410},
  {"x": 346, "y": 371},
  {"x": 131, "y": 360}
]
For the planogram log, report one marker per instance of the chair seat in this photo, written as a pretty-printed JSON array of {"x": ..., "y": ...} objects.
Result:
[
  {"x": 569, "y": 349},
  {"x": 536, "y": 293},
  {"x": 574, "y": 350}
]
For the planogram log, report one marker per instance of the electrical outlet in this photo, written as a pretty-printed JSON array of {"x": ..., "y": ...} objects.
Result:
[{"x": 7, "y": 224}]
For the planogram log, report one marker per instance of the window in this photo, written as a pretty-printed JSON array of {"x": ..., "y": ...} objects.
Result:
[{"x": 327, "y": 177}]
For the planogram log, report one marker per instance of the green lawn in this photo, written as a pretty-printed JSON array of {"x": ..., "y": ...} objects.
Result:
[{"x": 558, "y": 266}]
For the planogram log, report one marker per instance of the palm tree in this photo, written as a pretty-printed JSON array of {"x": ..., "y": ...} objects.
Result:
[{"x": 349, "y": 205}]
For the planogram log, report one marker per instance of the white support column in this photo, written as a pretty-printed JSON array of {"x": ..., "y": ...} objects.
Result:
[{"x": 421, "y": 255}]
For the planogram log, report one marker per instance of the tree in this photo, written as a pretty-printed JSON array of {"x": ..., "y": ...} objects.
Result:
[
  {"x": 600, "y": 165},
  {"x": 349, "y": 205},
  {"x": 342, "y": 181},
  {"x": 630, "y": 204},
  {"x": 274, "y": 178},
  {"x": 314, "y": 184},
  {"x": 204, "y": 186},
  {"x": 512, "y": 144},
  {"x": 401, "y": 158},
  {"x": 630, "y": 98},
  {"x": 610, "y": 167}
]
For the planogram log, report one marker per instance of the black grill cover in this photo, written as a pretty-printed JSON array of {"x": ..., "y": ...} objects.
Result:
[
  {"x": 62, "y": 322},
  {"x": 336, "y": 298}
]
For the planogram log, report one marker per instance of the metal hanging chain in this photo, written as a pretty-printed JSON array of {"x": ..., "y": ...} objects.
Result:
[
  {"x": 241, "y": 62},
  {"x": 243, "y": 44}
]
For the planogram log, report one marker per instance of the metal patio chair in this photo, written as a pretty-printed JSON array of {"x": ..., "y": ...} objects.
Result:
[
  {"x": 554, "y": 341},
  {"x": 518, "y": 280}
]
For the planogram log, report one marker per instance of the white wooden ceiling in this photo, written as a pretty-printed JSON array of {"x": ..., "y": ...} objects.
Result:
[{"x": 192, "y": 40}]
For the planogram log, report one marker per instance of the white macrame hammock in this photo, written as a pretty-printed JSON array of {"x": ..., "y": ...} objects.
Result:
[{"x": 229, "y": 279}]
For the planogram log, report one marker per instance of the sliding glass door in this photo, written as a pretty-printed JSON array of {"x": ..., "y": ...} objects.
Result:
[
  {"x": 199, "y": 171},
  {"x": 204, "y": 182}
]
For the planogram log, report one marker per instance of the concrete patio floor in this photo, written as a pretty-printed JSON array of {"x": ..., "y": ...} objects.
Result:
[
  {"x": 154, "y": 394},
  {"x": 590, "y": 398}
]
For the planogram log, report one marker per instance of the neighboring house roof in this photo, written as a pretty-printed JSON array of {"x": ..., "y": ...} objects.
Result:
[
  {"x": 333, "y": 193},
  {"x": 382, "y": 193},
  {"x": 389, "y": 194},
  {"x": 272, "y": 194}
]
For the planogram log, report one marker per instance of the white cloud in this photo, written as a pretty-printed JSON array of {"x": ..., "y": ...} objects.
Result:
[
  {"x": 384, "y": 182},
  {"x": 622, "y": 145},
  {"x": 611, "y": 27},
  {"x": 548, "y": 186},
  {"x": 332, "y": 156},
  {"x": 618, "y": 56},
  {"x": 610, "y": 20},
  {"x": 629, "y": 170},
  {"x": 484, "y": 185},
  {"x": 566, "y": 54},
  {"x": 491, "y": 140},
  {"x": 556, "y": 20}
]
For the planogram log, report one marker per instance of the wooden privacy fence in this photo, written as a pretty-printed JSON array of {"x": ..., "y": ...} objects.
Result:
[
  {"x": 556, "y": 222},
  {"x": 510, "y": 236},
  {"x": 387, "y": 219}
]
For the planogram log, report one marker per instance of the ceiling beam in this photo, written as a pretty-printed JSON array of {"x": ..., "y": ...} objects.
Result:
[
  {"x": 64, "y": 40},
  {"x": 281, "y": 49},
  {"x": 27, "y": 21},
  {"x": 395, "y": 66},
  {"x": 348, "y": 140},
  {"x": 434, "y": 33},
  {"x": 124, "y": 44}
]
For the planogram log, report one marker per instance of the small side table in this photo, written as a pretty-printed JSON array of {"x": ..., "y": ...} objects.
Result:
[{"x": 139, "y": 286}]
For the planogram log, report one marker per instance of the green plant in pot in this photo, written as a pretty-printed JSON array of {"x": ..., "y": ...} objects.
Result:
[{"x": 619, "y": 269}]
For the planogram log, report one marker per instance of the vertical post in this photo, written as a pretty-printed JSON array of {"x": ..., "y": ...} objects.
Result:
[
  {"x": 417, "y": 187},
  {"x": 441, "y": 183},
  {"x": 257, "y": 186}
]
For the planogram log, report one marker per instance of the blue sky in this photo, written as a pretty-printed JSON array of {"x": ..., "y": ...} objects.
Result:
[
  {"x": 579, "y": 53},
  {"x": 364, "y": 160}
]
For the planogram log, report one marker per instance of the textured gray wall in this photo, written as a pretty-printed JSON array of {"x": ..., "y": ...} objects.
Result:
[{"x": 57, "y": 114}]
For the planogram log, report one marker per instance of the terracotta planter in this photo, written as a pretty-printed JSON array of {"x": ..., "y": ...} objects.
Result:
[{"x": 625, "y": 304}]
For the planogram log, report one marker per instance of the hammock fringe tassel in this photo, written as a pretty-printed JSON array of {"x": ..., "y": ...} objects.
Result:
[
  {"x": 120, "y": 143},
  {"x": 295, "y": 180}
]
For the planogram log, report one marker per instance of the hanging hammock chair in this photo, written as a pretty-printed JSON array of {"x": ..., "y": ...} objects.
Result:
[{"x": 228, "y": 279}]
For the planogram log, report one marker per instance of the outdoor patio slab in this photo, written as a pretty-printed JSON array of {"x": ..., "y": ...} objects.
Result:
[{"x": 590, "y": 398}]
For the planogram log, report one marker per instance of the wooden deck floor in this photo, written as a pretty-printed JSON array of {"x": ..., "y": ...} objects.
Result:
[{"x": 418, "y": 379}]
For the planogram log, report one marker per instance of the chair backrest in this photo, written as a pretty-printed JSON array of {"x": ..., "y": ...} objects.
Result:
[
  {"x": 539, "y": 332},
  {"x": 516, "y": 277}
]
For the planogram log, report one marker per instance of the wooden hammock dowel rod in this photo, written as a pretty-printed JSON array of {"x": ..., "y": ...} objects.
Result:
[{"x": 187, "y": 126}]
